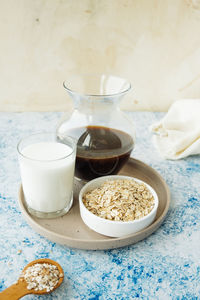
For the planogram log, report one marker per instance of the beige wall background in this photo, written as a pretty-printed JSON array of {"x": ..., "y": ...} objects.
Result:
[{"x": 153, "y": 43}]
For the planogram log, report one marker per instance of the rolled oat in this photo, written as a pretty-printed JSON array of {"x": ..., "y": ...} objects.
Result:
[
  {"x": 120, "y": 200},
  {"x": 41, "y": 276}
]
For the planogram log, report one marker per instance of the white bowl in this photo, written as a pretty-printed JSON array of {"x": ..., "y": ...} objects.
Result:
[{"x": 109, "y": 227}]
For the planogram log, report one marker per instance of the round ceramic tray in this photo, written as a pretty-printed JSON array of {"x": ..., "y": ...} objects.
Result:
[{"x": 70, "y": 230}]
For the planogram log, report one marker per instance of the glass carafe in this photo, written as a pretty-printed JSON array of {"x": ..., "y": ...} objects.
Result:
[{"x": 105, "y": 135}]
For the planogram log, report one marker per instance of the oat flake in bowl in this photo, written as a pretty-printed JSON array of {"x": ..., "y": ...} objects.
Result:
[
  {"x": 120, "y": 200},
  {"x": 117, "y": 205}
]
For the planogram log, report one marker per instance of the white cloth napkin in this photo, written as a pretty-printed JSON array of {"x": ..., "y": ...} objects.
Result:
[{"x": 177, "y": 135}]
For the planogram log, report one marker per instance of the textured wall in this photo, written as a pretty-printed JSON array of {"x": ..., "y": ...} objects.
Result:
[{"x": 154, "y": 43}]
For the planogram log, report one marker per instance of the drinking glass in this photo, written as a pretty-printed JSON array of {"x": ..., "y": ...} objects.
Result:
[{"x": 47, "y": 174}]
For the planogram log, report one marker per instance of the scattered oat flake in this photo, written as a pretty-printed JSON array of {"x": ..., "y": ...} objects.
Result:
[
  {"x": 19, "y": 252},
  {"x": 120, "y": 200}
]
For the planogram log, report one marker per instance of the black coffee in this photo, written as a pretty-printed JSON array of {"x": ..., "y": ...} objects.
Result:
[{"x": 100, "y": 151}]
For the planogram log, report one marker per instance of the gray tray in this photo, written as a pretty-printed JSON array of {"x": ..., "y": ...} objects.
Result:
[{"x": 70, "y": 230}]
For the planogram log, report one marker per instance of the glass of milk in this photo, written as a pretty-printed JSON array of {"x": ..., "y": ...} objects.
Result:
[{"x": 47, "y": 174}]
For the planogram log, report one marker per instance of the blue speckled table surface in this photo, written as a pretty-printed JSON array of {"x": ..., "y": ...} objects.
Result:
[{"x": 165, "y": 265}]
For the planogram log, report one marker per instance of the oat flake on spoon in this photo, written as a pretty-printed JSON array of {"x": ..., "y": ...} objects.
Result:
[{"x": 40, "y": 276}]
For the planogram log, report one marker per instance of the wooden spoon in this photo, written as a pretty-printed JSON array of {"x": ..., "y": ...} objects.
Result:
[{"x": 19, "y": 289}]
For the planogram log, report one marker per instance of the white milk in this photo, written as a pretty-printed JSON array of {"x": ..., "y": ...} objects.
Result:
[{"x": 47, "y": 172}]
